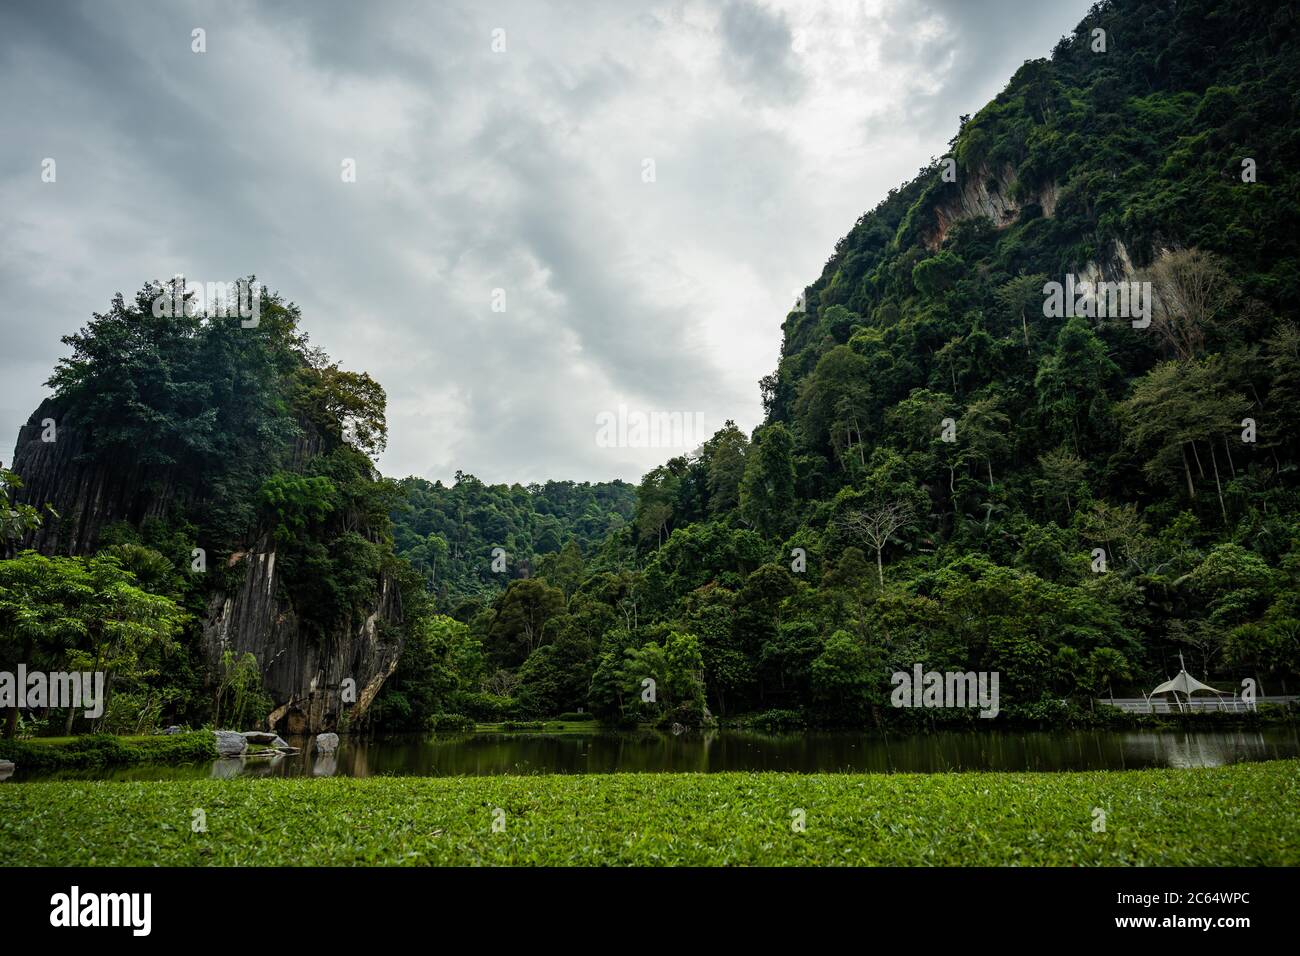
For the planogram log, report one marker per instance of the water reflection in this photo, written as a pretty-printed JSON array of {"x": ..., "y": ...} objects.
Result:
[
  {"x": 224, "y": 768},
  {"x": 652, "y": 752},
  {"x": 327, "y": 765},
  {"x": 1196, "y": 750}
]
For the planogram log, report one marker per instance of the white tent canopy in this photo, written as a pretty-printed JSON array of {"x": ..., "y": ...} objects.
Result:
[{"x": 1184, "y": 684}]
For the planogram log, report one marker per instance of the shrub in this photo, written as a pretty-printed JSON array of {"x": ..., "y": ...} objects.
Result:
[
  {"x": 451, "y": 724},
  {"x": 483, "y": 706},
  {"x": 523, "y": 725},
  {"x": 104, "y": 750}
]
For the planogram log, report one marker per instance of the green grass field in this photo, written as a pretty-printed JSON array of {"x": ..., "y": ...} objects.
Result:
[{"x": 1243, "y": 815}]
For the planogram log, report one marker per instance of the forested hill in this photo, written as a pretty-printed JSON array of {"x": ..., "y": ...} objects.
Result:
[
  {"x": 955, "y": 473},
  {"x": 196, "y": 508},
  {"x": 1170, "y": 156},
  {"x": 450, "y": 533},
  {"x": 1092, "y": 157}
]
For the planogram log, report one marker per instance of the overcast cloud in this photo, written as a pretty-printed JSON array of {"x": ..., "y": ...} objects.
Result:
[{"x": 772, "y": 127}]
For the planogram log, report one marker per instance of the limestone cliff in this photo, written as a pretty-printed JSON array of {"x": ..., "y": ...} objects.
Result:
[
  {"x": 305, "y": 675},
  {"x": 86, "y": 495},
  {"x": 306, "y": 679},
  {"x": 984, "y": 192},
  {"x": 991, "y": 194}
]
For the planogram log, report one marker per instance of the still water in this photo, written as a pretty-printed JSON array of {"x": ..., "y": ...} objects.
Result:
[{"x": 654, "y": 752}]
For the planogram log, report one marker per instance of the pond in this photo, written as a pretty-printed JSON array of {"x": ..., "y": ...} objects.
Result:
[{"x": 731, "y": 750}]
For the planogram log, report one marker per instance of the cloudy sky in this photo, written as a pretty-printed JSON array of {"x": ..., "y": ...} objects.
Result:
[{"x": 496, "y": 147}]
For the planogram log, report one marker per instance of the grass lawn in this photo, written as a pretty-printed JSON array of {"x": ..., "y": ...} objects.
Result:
[{"x": 1244, "y": 814}]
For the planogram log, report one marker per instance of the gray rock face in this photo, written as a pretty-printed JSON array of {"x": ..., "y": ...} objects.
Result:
[
  {"x": 86, "y": 495},
  {"x": 260, "y": 737},
  {"x": 1114, "y": 264},
  {"x": 988, "y": 193},
  {"x": 230, "y": 743},
  {"x": 327, "y": 743},
  {"x": 303, "y": 674},
  {"x": 305, "y": 677},
  {"x": 7, "y": 769}
]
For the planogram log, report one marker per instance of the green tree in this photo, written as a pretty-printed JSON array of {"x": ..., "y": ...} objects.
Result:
[
  {"x": 843, "y": 677},
  {"x": 1063, "y": 478},
  {"x": 1103, "y": 667},
  {"x": 1020, "y": 297},
  {"x": 1172, "y": 410},
  {"x": 767, "y": 492},
  {"x": 834, "y": 401},
  {"x": 1074, "y": 384},
  {"x": 350, "y": 405},
  {"x": 85, "y": 614},
  {"x": 724, "y": 460},
  {"x": 16, "y": 518},
  {"x": 520, "y": 619},
  {"x": 982, "y": 432}
]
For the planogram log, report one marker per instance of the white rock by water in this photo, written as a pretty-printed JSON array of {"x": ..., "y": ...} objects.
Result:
[{"x": 230, "y": 743}]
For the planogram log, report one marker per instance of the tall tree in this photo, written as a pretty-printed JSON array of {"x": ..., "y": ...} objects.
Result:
[
  {"x": 723, "y": 457},
  {"x": 877, "y": 527},
  {"x": 767, "y": 492}
]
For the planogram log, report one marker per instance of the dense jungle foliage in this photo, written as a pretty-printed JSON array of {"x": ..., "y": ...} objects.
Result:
[
  {"x": 1100, "y": 504},
  {"x": 445, "y": 531},
  {"x": 946, "y": 474},
  {"x": 249, "y": 437}
]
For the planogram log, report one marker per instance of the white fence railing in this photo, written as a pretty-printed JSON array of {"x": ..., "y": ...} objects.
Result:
[{"x": 1164, "y": 705}]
